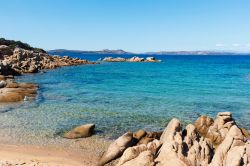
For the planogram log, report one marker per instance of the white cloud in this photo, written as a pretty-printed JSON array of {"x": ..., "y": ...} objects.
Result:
[
  {"x": 220, "y": 45},
  {"x": 236, "y": 44},
  {"x": 248, "y": 44}
]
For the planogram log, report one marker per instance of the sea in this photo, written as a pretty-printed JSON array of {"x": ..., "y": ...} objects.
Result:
[{"x": 120, "y": 97}]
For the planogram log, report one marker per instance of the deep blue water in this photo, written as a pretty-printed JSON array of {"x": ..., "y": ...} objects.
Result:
[{"x": 128, "y": 96}]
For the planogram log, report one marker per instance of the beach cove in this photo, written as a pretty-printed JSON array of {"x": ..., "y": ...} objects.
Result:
[
  {"x": 116, "y": 101},
  {"x": 50, "y": 95}
]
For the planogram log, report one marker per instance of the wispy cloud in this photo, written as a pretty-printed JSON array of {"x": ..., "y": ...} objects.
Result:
[
  {"x": 236, "y": 44},
  {"x": 248, "y": 44},
  {"x": 220, "y": 45}
]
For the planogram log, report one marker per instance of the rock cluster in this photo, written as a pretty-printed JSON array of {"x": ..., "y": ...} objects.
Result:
[
  {"x": 218, "y": 142},
  {"x": 10, "y": 91},
  {"x": 17, "y": 61},
  {"x": 133, "y": 59}
]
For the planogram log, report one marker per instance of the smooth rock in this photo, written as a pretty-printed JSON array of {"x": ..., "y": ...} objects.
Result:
[
  {"x": 139, "y": 134},
  {"x": 238, "y": 155},
  {"x": 82, "y": 131},
  {"x": 117, "y": 148},
  {"x": 172, "y": 129}
]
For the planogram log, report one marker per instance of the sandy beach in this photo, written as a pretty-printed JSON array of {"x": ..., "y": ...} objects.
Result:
[
  {"x": 35, "y": 155},
  {"x": 60, "y": 153},
  {"x": 51, "y": 155}
]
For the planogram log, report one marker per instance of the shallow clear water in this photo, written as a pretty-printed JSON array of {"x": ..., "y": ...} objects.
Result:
[{"x": 128, "y": 96}]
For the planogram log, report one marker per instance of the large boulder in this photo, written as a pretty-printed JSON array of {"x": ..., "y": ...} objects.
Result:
[
  {"x": 238, "y": 155},
  {"x": 131, "y": 155},
  {"x": 172, "y": 131},
  {"x": 171, "y": 150},
  {"x": 183, "y": 147},
  {"x": 195, "y": 145},
  {"x": 217, "y": 130},
  {"x": 233, "y": 138},
  {"x": 15, "y": 92},
  {"x": 82, "y": 131},
  {"x": 11, "y": 97},
  {"x": 117, "y": 148},
  {"x": 202, "y": 124}
]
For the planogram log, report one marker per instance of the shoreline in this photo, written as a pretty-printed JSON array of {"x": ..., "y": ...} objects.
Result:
[
  {"x": 36, "y": 155},
  {"x": 73, "y": 153}
]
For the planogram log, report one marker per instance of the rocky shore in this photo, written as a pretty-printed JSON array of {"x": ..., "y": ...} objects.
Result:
[
  {"x": 11, "y": 91},
  {"x": 18, "y": 61},
  {"x": 17, "y": 58},
  {"x": 133, "y": 59},
  {"x": 214, "y": 142}
]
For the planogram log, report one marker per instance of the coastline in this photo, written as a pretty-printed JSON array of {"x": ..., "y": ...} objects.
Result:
[
  {"x": 27, "y": 155},
  {"x": 52, "y": 149}
]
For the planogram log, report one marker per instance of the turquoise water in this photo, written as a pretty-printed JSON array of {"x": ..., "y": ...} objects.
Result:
[{"x": 118, "y": 97}]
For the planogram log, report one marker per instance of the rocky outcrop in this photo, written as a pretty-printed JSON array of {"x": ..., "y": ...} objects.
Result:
[
  {"x": 218, "y": 142},
  {"x": 111, "y": 59},
  {"x": 17, "y": 58},
  {"x": 133, "y": 59},
  {"x": 82, "y": 131},
  {"x": 140, "y": 154},
  {"x": 17, "y": 61},
  {"x": 233, "y": 139},
  {"x": 216, "y": 130}
]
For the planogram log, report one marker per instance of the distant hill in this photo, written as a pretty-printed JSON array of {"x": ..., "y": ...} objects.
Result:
[
  {"x": 196, "y": 53},
  {"x": 121, "y": 52},
  {"x": 106, "y": 51}
]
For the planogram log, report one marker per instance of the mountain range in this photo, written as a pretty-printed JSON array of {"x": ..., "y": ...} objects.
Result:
[{"x": 119, "y": 51}]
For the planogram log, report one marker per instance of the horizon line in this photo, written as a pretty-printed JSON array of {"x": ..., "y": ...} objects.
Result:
[{"x": 169, "y": 51}]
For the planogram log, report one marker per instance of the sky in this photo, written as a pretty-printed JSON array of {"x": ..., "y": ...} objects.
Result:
[{"x": 131, "y": 25}]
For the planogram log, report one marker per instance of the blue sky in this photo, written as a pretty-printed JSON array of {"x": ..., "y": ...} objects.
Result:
[{"x": 132, "y": 25}]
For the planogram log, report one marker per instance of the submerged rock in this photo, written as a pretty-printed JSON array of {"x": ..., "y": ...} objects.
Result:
[
  {"x": 82, "y": 131},
  {"x": 15, "y": 92}
]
